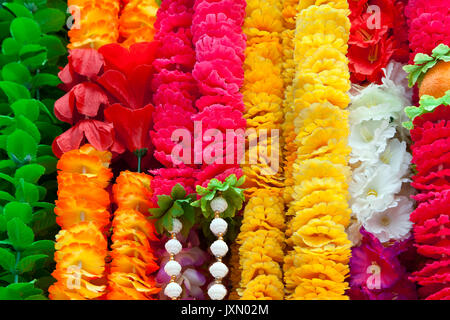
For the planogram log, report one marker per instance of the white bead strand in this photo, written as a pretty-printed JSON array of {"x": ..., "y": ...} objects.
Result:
[
  {"x": 219, "y": 249},
  {"x": 173, "y": 269}
]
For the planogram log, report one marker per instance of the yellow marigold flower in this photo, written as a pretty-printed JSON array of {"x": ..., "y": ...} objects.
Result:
[
  {"x": 266, "y": 242},
  {"x": 262, "y": 16},
  {"x": 264, "y": 287},
  {"x": 337, "y": 4},
  {"x": 320, "y": 232},
  {"x": 314, "y": 168},
  {"x": 257, "y": 264},
  {"x": 290, "y": 12},
  {"x": 136, "y": 21},
  {"x": 316, "y": 293},
  {"x": 339, "y": 254},
  {"x": 95, "y": 24}
]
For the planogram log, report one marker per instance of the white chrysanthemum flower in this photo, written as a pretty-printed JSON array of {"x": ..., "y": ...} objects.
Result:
[
  {"x": 368, "y": 139},
  {"x": 372, "y": 190},
  {"x": 396, "y": 156},
  {"x": 396, "y": 79},
  {"x": 392, "y": 223}
]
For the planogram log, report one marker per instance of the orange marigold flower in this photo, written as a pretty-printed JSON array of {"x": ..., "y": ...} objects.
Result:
[{"x": 132, "y": 191}]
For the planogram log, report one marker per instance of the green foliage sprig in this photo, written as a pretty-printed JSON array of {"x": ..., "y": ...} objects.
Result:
[
  {"x": 176, "y": 205},
  {"x": 424, "y": 62},
  {"x": 31, "y": 51},
  {"x": 426, "y": 104}
]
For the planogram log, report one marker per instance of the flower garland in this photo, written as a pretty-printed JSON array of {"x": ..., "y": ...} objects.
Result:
[
  {"x": 98, "y": 22},
  {"x": 104, "y": 96},
  {"x": 261, "y": 238},
  {"x": 82, "y": 211},
  {"x": 317, "y": 264},
  {"x": 133, "y": 256},
  {"x": 378, "y": 34},
  {"x": 429, "y": 40},
  {"x": 219, "y": 45},
  {"x": 380, "y": 201}
]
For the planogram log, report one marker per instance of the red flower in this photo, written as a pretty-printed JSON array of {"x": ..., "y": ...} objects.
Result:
[
  {"x": 97, "y": 133},
  {"x": 367, "y": 63},
  {"x": 363, "y": 35},
  {"x": 132, "y": 127}
]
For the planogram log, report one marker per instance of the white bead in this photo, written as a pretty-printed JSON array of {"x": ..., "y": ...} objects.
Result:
[
  {"x": 217, "y": 291},
  {"x": 173, "y": 290},
  {"x": 219, "y": 248},
  {"x": 172, "y": 268},
  {"x": 218, "y": 270},
  {"x": 173, "y": 246},
  {"x": 219, "y": 204},
  {"x": 218, "y": 225},
  {"x": 176, "y": 226}
]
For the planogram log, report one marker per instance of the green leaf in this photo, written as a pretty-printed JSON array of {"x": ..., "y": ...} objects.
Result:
[
  {"x": 50, "y": 20},
  {"x": 16, "y": 72},
  {"x": 421, "y": 58},
  {"x": 24, "y": 290},
  {"x": 164, "y": 202},
  {"x": 30, "y": 172},
  {"x": 28, "y": 263},
  {"x": 14, "y": 91},
  {"x": 33, "y": 55},
  {"x": 8, "y": 178},
  {"x": 27, "y": 192},
  {"x": 2, "y": 223},
  {"x": 440, "y": 50},
  {"x": 28, "y": 126},
  {"x": 54, "y": 46},
  {"x": 36, "y": 297},
  {"x": 6, "y": 196},
  {"x": 20, "y": 235},
  {"x": 46, "y": 247},
  {"x": 21, "y": 146},
  {"x": 178, "y": 192},
  {"x": 176, "y": 210},
  {"x": 48, "y": 162},
  {"x": 28, "y": 108},
  {"x": 10, "y": 47},
  {"x": 7, "y": 260},
  {"x": 45, "y": 79},
  {"x": 25, "y": 30},
  {"x": 18, "y": 210},
  {"x": 18, "y": 10}
]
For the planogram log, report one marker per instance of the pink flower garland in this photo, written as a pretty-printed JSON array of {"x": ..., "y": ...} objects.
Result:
[{"x": 219, "y": 45}]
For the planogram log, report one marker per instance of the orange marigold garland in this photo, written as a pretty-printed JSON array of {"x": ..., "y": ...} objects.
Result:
[
  {"x": 95, "y": 23},
  {"x": 82, "y": 212},
  {"x": 133, "y": 259}
]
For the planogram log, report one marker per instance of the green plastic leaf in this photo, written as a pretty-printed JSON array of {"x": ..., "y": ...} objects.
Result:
[
  {"x": 24, "y": 290},
  {"x": 36, "y": 297},
  {"x": 18, "y": 210},
  {"x": 28, "y": 108},
  {"x": 18, "y": 10},
  {"x": 164, "y": 202},
  {"x": 440, "y": 50},
  {"x": 50, "y": 20},
  {"x": 25, "y": 30},
  {"x": 176, "y": 210},
  {"x": 30, "y": 172},
  {"x": 33, "y": 55},
  {"x": 27, "y": 192},
  {"x": 45, "y": 79},
  {"x": 46, "y": 247},
  {"x": 48, "y": 162},
  {"x": 2, "y": 223},
  {"x": 28, "y": 263},
  {"x": 6, "y": 196},
  {"x": 16, "y": 72},
  {"x": 29, "y": 127},
  {"x": 421, "y": 58},
  {"x": 7, "y": 260},
  {"x": 14, "y": 91},
  {"x": 20, "y": 235},
  {"x": 21, "y": 146},
  {"x": 10, "y": 47},
  {"x": 54, "y": 46},
  {"x": 178, "y": 192}
]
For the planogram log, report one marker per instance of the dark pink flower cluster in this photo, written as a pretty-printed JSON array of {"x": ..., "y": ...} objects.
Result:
[
  {"x": 175, "y": 90},
  {"x": 220, "y": 45},
  {"x": 431, "y": 156},
  {"x": 429, "y": 25},
  {"x": 377, "y": 272}
]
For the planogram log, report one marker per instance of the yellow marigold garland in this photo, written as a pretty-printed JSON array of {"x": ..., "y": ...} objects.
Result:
[
  {"x": 316, "y": 266},
  {"x": 133, "y": 261},
  {"x": 261, "y": 238},
  {"x": 82, "y": 212}
]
